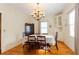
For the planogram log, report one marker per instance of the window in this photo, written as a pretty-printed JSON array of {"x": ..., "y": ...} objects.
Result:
[
  {"x": 71, "y": 23},
  {"x": 43, "y": 27}
]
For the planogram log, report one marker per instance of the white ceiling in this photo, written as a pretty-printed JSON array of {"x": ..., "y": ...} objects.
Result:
[{"x": 48, "y": 8}]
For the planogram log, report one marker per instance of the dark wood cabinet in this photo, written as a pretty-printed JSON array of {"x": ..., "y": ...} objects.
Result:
[{"x": 29, "y": 29}]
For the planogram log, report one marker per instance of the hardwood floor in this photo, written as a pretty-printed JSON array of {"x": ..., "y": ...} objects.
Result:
[{"x": 18, "y": 50}]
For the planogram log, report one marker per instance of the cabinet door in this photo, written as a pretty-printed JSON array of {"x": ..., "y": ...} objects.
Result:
[
  {"x": 32, "y": 28},
  {"x": 29, "y": 29},
  {"x": 59, "y": 21}
]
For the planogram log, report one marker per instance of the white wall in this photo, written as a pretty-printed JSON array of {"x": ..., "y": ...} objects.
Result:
[
  {"x": 70, "y": 42},
  {"x": 12, "y": 26}
]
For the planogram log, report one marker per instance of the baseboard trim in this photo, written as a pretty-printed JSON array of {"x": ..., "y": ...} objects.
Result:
[
  {"x": 67, "y": 46},
  {"x": 12, "y": 45}
]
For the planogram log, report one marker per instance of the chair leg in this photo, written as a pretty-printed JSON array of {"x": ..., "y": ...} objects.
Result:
[
  {"x": 29, "y": 49},
  {"x": 23, "y": 46},
  {"x": 45, "y": 50},
  {"x": 56, "y": 46}
]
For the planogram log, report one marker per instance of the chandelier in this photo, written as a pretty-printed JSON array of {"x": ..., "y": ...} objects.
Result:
[{"x": 38, "y": 13}]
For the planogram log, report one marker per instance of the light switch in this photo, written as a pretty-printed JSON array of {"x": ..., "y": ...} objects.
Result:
[{"x": 4, "y": 30}]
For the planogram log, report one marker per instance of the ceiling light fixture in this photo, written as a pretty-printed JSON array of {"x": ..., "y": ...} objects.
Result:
[{"x": 38, "y": 13}]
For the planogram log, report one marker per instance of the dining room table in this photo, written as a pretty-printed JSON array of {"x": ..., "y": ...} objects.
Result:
[{"x": 49, "y": 38}]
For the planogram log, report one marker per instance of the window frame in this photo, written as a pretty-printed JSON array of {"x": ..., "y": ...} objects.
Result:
[
  {"x": 40, "y": 27},
  {"x": 71, "y": 25}
]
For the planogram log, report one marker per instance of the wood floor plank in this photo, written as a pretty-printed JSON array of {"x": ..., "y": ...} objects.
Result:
[{"x": 19, "y": 50}]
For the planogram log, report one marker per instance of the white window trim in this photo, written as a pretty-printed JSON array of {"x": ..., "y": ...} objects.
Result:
[
  {"x": 47, "y": 27},
  {"x": 71, "y": 24}
]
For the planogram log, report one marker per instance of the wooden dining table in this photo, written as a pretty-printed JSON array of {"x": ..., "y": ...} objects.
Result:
[{"x": 49, "y": 38}]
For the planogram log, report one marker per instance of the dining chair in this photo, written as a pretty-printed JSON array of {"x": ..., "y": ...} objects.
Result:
[
  {"x": 41, "y": 42},
  {"x": 56, "y": 37},
  {"x": 32, "y": 42},
  {"x": 30, "y": 45}
]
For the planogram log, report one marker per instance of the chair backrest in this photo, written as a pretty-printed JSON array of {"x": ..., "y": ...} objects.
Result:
[
  {"x": 56, "y": 37},
  {"x": 31, "y": 39},
  {"x": 44, "y": 33},
  {"x": 41, "y": 39}
]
